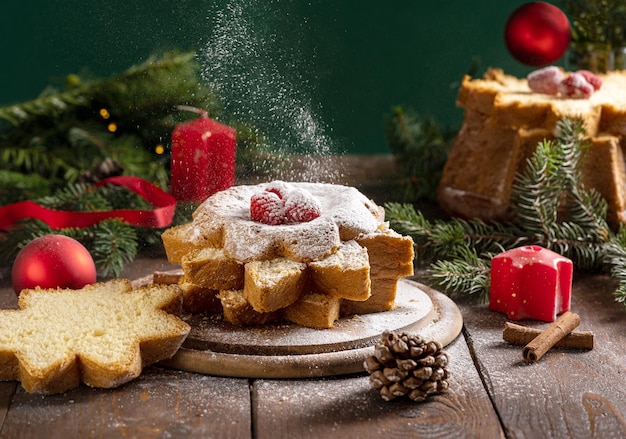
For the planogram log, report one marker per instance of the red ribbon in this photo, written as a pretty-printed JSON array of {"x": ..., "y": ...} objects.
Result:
[{"x": 161, "y": 216}]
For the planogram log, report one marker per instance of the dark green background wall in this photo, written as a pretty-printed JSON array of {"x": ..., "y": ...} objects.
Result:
[{"x": 352, "y": 60}]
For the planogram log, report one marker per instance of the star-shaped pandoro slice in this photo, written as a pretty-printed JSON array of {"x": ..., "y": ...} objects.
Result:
[{"x": 102, "y": 335}]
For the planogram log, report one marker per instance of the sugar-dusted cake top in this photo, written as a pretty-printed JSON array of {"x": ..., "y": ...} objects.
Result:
[
  {"x": 509, "y": 102},
  {"x": 225, "y": 220}
]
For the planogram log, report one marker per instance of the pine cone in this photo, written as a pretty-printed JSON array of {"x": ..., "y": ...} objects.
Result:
[{"x": 407, "y": 365}]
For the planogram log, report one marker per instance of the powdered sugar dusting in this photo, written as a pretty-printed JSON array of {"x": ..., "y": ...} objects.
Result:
[
  {"x": 252, "y": 60},
  {"x": 345, "y": 214},
  {"x": 301, "y": 206}
]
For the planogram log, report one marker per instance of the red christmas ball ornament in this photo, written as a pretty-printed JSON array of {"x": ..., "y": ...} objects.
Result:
[
  {"x": 537, "y": 34},
  {"x": 53, "y": 261}
]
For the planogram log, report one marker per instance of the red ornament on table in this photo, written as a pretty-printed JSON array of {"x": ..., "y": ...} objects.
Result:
[
  {"x": 531, "y": 282},
  {"x": 203, "y": 158},
  {"x": 53, "y": 261},
  {"x": 537, "y": 34}
]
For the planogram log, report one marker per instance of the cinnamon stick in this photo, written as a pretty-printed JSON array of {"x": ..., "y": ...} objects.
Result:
[
  {"x": 522, "y": 335},
  {"x": 167, "y": 277},
  {"x": 565, "y": 324}
]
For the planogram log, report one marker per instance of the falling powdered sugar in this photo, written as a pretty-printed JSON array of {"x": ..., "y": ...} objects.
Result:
[{"x": 262, "y": 82}]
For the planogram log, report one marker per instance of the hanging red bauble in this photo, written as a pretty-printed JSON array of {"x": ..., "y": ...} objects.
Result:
[
  {"x": 537, "y": 34},
  {"x": 53, "y": 261}
]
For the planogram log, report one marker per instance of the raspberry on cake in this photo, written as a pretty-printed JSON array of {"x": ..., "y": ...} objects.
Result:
[
  {"x": 545, "y": 80},
  {"x": 301, "y": 207},
  {"x": 268, "y": 208},
  {"x": 575, "y": 86},
  {"x": 290, "y": 250}
]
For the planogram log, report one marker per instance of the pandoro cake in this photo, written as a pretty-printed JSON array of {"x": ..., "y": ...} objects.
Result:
[
  {"x": 303, "y": 252},
  {"x": 102, "y": 335},
  {"x": 503, "y": 123}
]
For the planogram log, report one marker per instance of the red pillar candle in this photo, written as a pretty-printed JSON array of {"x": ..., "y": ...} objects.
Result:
[
  {"x": 531, "y": 282},
  {"x": 203, "y": 158}
]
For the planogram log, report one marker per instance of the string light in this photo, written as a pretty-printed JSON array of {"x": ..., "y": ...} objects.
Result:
[
  {"x": 159, "y": 149},
  {"x": 73, "y": 79},
  {"x": 104, "y": 113},
  {"x": 112, "y": 127}
]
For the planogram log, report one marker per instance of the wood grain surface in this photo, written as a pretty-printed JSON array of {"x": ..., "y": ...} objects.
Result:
[
  {"x": 161, "y": 403},
  {"x": 349, "y": 408}
]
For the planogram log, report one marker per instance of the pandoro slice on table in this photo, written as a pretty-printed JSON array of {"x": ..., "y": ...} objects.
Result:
[{"x": 102, "y": 335}]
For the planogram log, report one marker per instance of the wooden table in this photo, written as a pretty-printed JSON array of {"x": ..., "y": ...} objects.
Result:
[{"x": 493, "y": 393}]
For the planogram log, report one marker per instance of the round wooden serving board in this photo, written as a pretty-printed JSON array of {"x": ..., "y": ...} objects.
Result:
[{"x": 286, "y": 350}]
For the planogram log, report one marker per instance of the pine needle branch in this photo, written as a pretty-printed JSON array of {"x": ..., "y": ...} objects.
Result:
[
  {"x": 114, "y": 244},
  {"x": 466, "y": 274},
  {"x": 421, "y": 148},
  {"x": 615, "y": 257},
  {"x": 535, "y": 194},
  {"x": 442, "y": 239}
]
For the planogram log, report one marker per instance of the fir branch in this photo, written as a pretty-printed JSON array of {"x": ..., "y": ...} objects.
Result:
[
  {"x": 585, "y": 206},
  {"x": 494, "y": 237},
  {"x": 620, "y": 292},
  {"x": 535, "y": 194},
  {"x": 114, "y": 244},
  {"x": 147, "y": 87},
  {"x": 598, "y": 21},
  {"x": 615, "y": 258},
  {"x": 443, "y": 239},
  {"x": 15, "y": 186},
  {"x": 465, "y": 274},
  {"x": 405, "y": 219},
  {"x": 13, "y": 240},
  {"x": 78, "y": 198},
  {"x": 550, "y": 202},
  {"x": 421, "y": 148},
  {"x": 34, "y": 159},
  {"x": 48, "y": 106},
  {"x": 574, "y": 241}
]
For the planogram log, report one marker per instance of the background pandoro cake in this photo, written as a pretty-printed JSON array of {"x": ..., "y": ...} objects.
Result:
[{"x": 503, "y": 123}]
